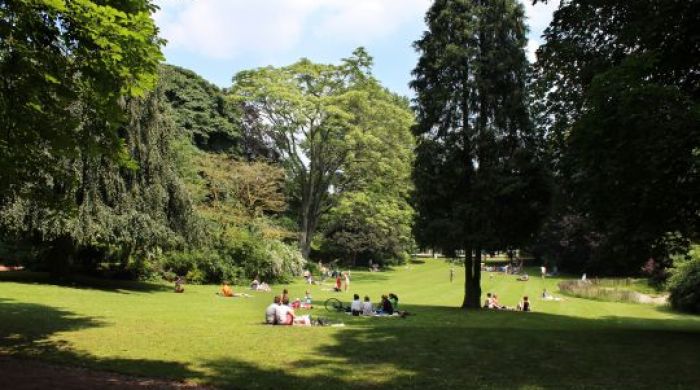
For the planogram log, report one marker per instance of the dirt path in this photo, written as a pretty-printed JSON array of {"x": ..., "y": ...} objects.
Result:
[{"x": 19, "y": 374}]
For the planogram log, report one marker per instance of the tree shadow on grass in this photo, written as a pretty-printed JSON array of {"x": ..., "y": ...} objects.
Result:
[
  {"x": 438, "y": 347},
  {"x": 83, "y": 282},
  {"x": 27, "y": 330},
  {"x": 485, "y": 350}
]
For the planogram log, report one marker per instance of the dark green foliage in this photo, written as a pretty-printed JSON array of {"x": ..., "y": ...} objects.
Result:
[
  {"x": 479, "y": 184},
  {"x": 684, "y": 283},
  {"x": 201, "y": 110},
  {"x": 619, "y": 88},
  {"x": 115, "y": 216},
  {"x": 53, "y": 54}
]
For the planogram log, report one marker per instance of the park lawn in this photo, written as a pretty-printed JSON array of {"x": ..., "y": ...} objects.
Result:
[{"x": 146, "y": 330}]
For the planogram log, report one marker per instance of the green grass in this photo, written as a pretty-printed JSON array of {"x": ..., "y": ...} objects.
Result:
[{"x": 147, "y": 330}]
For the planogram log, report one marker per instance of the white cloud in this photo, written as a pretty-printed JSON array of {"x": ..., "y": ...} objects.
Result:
[
  {"x": 229, "y": 28},
  {"x": 538, "y": 18},
  {"x": 226, "y": 29},
  {"x": 349, "y": 20}
]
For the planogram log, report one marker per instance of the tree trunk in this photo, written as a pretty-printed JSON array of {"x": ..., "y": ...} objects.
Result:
[
  {"x": 472, "y": 282},
  {"x": 59, "y": 257}
]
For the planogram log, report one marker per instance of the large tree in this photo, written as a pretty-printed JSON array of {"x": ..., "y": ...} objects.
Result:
[
  {"x": 619, "y": 89},
  {"x": 478, "y": 182},
  {"x": 54, "y": 54},
  {"x": 307, "y": 111},
  {"x": 114, "y": 213},
  {"x": 372, "y": 217}
]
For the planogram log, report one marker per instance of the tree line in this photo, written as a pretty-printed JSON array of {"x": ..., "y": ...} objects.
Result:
[
  {"x": 588, "y": 158},
  {"x": 115, "y": 163}
]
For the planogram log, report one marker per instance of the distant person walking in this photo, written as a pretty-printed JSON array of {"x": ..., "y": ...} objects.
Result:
[
  {"x": 347, "y": 280},
  {"x": 452, "y": 274},
  {"x": 544, "y": 271}
]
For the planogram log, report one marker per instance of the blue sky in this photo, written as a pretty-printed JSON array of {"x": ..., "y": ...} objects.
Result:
[{"x": 218, "y": 38}]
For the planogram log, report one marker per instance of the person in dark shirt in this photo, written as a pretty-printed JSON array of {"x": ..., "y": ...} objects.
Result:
[{"x": 387, "y": 308}]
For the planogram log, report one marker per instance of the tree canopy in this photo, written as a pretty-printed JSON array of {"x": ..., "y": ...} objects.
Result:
[
  {"x": 311, "y": 114},
  {"x": 618, "y": 95},
  {"x": 54, "y": 53},
  {"x": 479, "y": 184}
]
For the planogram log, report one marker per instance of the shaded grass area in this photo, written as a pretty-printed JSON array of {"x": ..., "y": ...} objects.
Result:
[{"x": 198, "y": 336}]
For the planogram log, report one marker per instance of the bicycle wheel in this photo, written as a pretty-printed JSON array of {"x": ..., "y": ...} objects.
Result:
[{"x": 333, "y": 304}]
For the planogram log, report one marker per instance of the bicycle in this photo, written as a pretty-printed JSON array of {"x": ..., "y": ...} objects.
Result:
[{"x": 334, "y": 304}]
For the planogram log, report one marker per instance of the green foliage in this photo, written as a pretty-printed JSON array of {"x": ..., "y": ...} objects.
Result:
[
  {"x": 371, "y": 217},
  {"x": 113, "y": 213},
  {"x": 239, "y": 202},
  {"x": 201, "y": 110},
  {"x": 479, "y": 182},
  {"x": 54, "y": 54},
  {"x": 684, "y": 283},
  {"x": 309, "y": 111},
  {"x": 618, "y": 88}
]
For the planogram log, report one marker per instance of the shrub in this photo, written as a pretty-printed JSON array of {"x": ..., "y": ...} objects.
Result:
[{"x": 684, "y": 283}]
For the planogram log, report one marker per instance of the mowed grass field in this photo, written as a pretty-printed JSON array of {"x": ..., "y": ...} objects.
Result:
[{"x": 147, "y": 330}]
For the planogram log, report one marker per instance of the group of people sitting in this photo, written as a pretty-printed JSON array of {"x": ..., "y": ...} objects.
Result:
[
  {"x": 493, "y": 303},
  {"x": 388, "y": 306},
  {"x": 281, "y": 312}
]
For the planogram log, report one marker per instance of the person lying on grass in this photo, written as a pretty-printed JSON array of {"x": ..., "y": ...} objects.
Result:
[
  {"x": 227, "y": 292},
  {"x": 546, "y": 296}
]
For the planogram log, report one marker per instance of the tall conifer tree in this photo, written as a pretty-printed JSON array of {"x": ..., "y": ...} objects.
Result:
[{"x": 478, "y": 185}]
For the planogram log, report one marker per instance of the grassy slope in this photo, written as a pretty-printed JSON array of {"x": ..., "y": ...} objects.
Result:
[{"x": 148, "y": 330}]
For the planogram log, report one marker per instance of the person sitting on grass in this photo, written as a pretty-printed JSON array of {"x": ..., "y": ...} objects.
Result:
[
  {"x": 284, "y": 315},
  {"x": 367, "y": 309},
  {"x": 264, "y": 287},
  {"x": 394, "y": 299},
  {"x": 226, "y": 290},
  {"x": 255, "y": 284},
  {"x": 524, "y": 305},
  {"x": 179, "y": 288},
  {"x": 488, "y": 304},
  {"x": 356, "y": 305},
  {"x": 386, "y": 307},
  {"x": 307, "y": 301},
  {"x": 285, "y": 296},
  {"x": 496, "y": 305},
  {"x": 271, "y": 311},
  {"x": 523, "y": 278}
]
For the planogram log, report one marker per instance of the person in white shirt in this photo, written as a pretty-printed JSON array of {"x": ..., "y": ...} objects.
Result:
[
  {"x": 544, "y": 271},
  {"x": 356, "y": 305},
  {"x": 284, "y": 315},
  {"x": 271, "y": 311},
  {"x": 367, "y": 309}
]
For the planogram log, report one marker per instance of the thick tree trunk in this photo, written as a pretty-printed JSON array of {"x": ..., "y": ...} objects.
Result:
[
  {"x": 472, "y": 280},
  {"x": 476, "y": 280}
]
